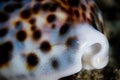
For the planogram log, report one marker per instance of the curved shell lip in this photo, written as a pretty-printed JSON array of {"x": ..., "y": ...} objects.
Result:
[{"x": 99, "y": 58}]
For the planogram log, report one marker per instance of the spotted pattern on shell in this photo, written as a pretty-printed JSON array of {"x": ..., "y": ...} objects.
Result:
[
  {"x": 32, "y": 61},
  {"x": 42, "y": 30}
]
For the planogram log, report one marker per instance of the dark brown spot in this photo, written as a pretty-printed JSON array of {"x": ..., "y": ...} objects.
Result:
[
  {"x": 76, "y": 12},
  {"x": 32, "y": 21},
  {"x": 88, "y": 20},
  {"x": 64, "y": 29},
  {"x": 36, "y": 34},
  {"x": 3, "y": 17},
  {"x": 18, "y": 25},
  {"x": 45, "y": 46},
  {"x": 3, "y": 32},
  {"x": 102, "y": 27},
  {"x": 51, "y": 18},
  {"x": 32, "y": 60},
  {"x": 5, "y": 53},
  {"x": 93, "y": 8},
  {"x": 46, "y": 6},
  {"x": 55, "y": 64},
  {"x": 49, "y": 7},
  {"x": 36, "y": 8},
  {"x": 83, "y": 7},
  {"x": 53, "y": 26},
  {"x": 12, "y": 7},
  {"x": 73, "y": 2},
  {"x": 25, "y": 14},
  {"x": 53, "y": 7},
  {"x": 33, "y": 27},
  {"x": 21, "y": 35},
  {"x": 84, "y": 16},
  {"x": 71, "y": 42},
  {"x": 93, "y": 22},
  {"x": 7, "y": 46},
  {"x": 64, "y": 1}
]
